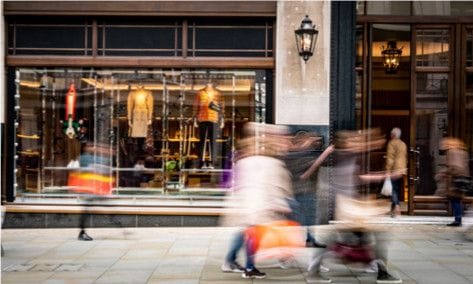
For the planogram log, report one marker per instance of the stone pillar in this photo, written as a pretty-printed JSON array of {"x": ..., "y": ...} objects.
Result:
[
  {"x": 302, "y": 97},
  {"x": 302, "y": 88}
]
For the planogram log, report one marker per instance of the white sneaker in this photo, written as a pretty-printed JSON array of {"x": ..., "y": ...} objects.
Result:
[
  {"x": 318, "y": 279},
  {"x": 286, "y": 263},
  {"x": 232, "y": 267},
  {"x": 324, "y": 268}
]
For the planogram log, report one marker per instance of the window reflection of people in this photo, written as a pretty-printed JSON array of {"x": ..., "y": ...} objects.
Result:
[
  {"x": 396, "y": 167},
  {"x": 208, "y": 112},
  {"x": 140, "y": 112}
]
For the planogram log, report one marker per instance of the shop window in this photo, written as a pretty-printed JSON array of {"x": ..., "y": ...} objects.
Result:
[
  {"x": 139, "y": 38},
  {"x": 230, "y": 38},
  {"x": 433, "y": 47},
  {"x": 148, "y": 125},
  {"x": 388, "y": 8},
  {"x": 442, "y": 8},
  {"x": 59, "y": 37}
]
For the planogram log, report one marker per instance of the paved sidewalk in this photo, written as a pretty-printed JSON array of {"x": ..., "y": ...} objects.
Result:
[{"x": 418, "y": 253}]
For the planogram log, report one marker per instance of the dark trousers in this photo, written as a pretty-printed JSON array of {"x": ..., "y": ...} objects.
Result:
[
  {"x": 397, "y": 191},
  {"x": 208, "y": 129},
  {"x": 457, "y": 209}
]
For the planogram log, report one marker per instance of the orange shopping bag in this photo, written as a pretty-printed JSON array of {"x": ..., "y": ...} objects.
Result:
[
  {"x": 89, "y": 182},
  {"x": 282, "y": 233}
]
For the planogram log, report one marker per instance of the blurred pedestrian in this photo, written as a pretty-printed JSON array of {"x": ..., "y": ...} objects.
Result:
[
  {"x": 454, "y": 178},
  {"x": 396, "y": 168},
  {"x": 261, "y": 191},
  {"x": 301, "y": 155},
  {"x": 354, "y": 241},
  {"x": 93, "y": 180}
]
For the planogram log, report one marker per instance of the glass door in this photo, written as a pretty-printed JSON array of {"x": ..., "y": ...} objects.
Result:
[{"x": 431, "y": 105}]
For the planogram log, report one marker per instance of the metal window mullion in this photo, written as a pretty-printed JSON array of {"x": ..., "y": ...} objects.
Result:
[
  {"x": 233, "y": 126},
  {"x": 94, "y": 38},
  {"x": 103, "y": 39},
  {"x": 193, "y": 39},
  {"x": 266, "y": 35},
  {"x": 185, "y": 34},
  {"x": 53, "y": 117},
  {"x": 111, "y": 132},
  {"x": 17, "y": 114},
  {"x": 181, "y": 136},
  {"x": 86, "y": 33},
  {"x": 43, "y": 146},
  {"x": 176, "y": 43},
  {"x": 14, "y": 38},
  {"x": 95, "y": 112}
]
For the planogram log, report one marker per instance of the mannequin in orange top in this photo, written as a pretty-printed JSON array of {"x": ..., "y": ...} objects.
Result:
[{"x": 208, "y": 113}]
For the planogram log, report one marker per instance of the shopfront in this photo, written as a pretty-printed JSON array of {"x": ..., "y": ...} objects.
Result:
[
  {"x": 427, "y": 93},
  {"x": 166, "y": 87},
  {"x": 140, "y": 80},
  {"x": 168, "y": 131}
]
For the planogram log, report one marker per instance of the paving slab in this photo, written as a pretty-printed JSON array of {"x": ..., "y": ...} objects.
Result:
[{"x": 418, "y": 253}]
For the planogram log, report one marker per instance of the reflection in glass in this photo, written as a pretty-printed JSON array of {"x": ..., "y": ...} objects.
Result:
[
  {"x": 148, "y": 120},
  {"x": 469, "y": 115},
  {"x": 469, "y": 48},
  {"x": 359, "y": 100},
  {"x": 359, "y": 46},
  {"x": 360, "y": 7},
  {"x": 388, "y": 7},
  {"x": 431, "y": 126},
  {"x": 442, "y": 8},
  {"x": 432, "y": 47}
]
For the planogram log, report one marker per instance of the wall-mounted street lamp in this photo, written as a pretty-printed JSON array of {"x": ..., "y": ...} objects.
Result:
[
  {"x": 391, "y": 57},
  {"x": 306, "y": 36}
]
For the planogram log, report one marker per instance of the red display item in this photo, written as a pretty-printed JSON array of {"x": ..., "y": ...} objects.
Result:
[{"x": 71, "y": 98}]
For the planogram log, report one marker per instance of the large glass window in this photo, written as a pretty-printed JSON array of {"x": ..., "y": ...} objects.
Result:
[
  {"x": 388, "y": 7},
  {"x": 170, "y": 132},
  {"x": 432, "y": 47},
  {"x": 442, "y": 8}
]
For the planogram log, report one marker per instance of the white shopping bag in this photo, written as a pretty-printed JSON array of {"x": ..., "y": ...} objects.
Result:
[{"x": 387, "y": 187}]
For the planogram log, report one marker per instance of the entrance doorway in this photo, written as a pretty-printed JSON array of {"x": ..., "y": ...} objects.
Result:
[{"x": 428, "y": 96}]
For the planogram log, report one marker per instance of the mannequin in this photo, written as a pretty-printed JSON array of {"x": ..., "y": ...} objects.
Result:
[
  {"x": 140, "y": 112},
  {"x": 208, "y": 113},
  {"x": 71, "y": 128}
]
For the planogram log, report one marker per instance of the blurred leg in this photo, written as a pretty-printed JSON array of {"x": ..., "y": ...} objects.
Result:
[{"x": 237, "y": 243}]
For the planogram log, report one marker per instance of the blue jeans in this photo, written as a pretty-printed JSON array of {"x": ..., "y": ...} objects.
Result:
[
  {"x": 236, "y": 245},
  {"x": 250, "y": 255},
  {"x": 303, "y": 208},
  {"x": 397, "y": 186},
  {"x": 457, "y": 209}
]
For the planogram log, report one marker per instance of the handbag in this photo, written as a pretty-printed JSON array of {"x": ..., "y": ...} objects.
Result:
[{"x": 387, "y": 189}]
